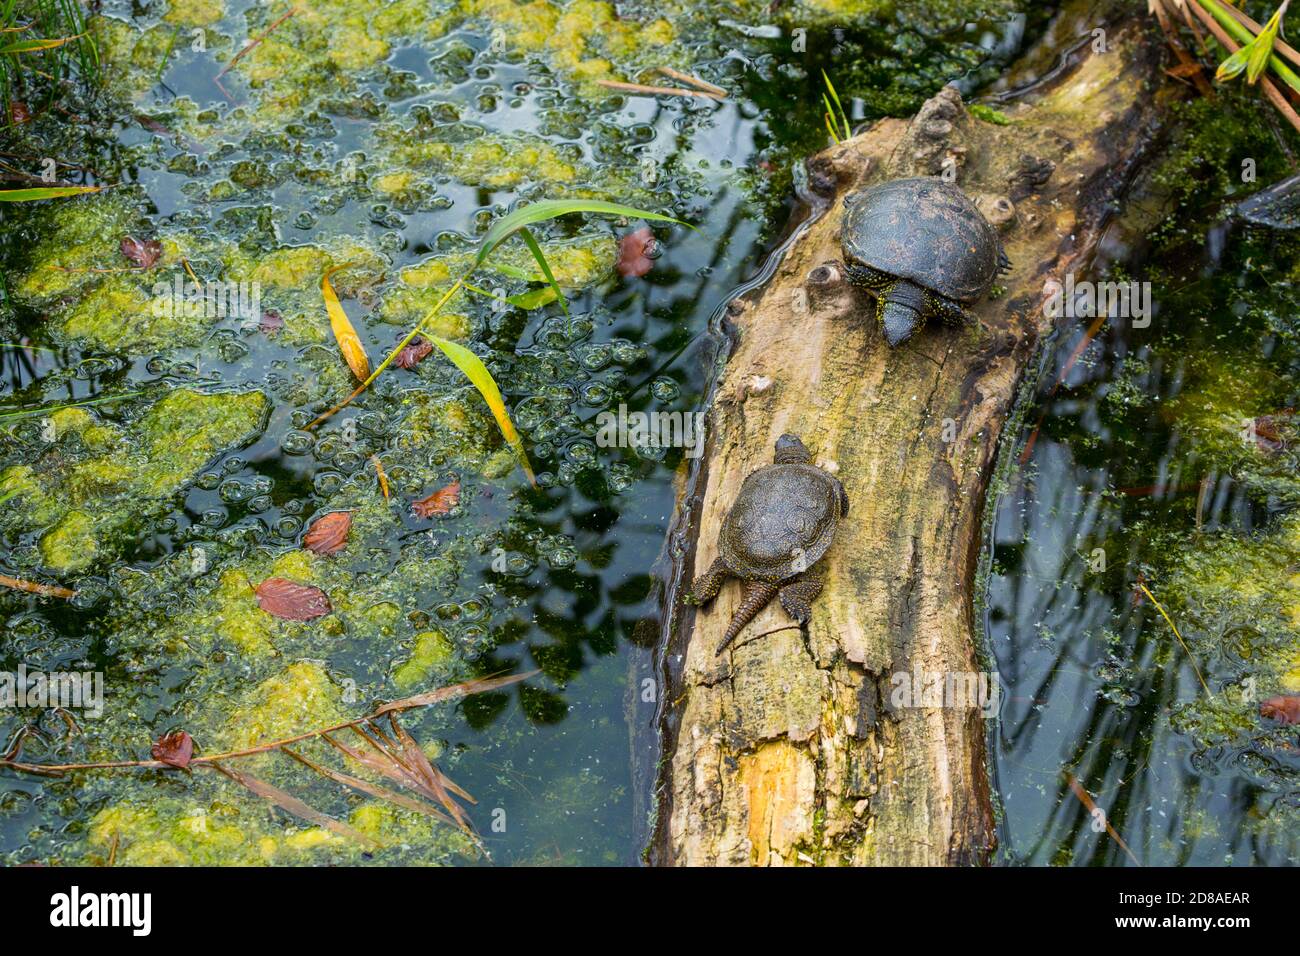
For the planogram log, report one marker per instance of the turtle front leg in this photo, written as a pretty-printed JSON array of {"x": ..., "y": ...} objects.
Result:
[
  {"x": 950, "y": 312},
  {"x": 798, "y": 595},
  {"x": 708, "y": 584}
]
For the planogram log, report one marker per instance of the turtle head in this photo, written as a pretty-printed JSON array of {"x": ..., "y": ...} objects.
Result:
[
  {"x": 900, "y": 311},
  {"x": 790, "y": 451},
  {"x": 898, "y": 320}
]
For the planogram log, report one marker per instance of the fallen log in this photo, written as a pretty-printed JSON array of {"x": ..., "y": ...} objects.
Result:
[{"x": 805, "y": 746}]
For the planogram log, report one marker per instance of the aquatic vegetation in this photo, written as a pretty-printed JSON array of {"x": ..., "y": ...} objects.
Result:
[
  {"x": 44, "y": 44},
  {"x": 37, "y": 193},
  {"x": 90, "y": 487}
]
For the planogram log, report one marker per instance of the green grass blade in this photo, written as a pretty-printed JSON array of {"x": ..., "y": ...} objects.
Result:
[
  {"x": 44, "y": 192},
  {"x": 532, "y": 299},
  {"x": 831, "y": 124},
  {"x": 474, "y": 369},
  {"x": 545, "y": 209},
  {"x": 839, "y": 107},
  {"x": 167, "y": 54},
  {"x": 512, "y": 272},
  {"x": 32, "y": 46},
  {"x": 6, "y": 416},
  {"x": 500, "y": 231},
  {"x": 531, "y": 242}
]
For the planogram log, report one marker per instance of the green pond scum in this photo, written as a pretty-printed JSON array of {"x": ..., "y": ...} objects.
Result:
[{"x": 157, "y": 455}]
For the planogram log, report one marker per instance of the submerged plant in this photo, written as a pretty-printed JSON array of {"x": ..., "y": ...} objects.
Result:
[{"x": 469, "y": 363}]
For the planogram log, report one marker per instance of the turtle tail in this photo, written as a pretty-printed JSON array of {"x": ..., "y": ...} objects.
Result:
[{"x": 757, "y": 596}]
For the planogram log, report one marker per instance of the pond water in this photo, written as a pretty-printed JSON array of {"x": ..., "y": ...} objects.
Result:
[
  {"x": 387, "y": 138},
  {"x": 1158, "y": 455}
]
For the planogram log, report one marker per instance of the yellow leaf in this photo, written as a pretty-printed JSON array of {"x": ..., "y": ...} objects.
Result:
[
  {"x": 354, "y": 353},
  {"x": 481, "y": 378}
]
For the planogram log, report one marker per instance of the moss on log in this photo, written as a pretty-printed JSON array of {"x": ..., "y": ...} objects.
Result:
[{"x": 787, "y": 748}]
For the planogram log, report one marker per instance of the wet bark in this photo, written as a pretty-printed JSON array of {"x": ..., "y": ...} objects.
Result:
[{"x": 793, "y": 746}]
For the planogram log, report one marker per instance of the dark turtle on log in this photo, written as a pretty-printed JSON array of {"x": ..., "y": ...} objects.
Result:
[
  {"x": 922, "y": 248},
  {"x": 780, "y": 525}
]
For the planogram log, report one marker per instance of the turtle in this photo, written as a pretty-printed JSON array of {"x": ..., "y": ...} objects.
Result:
[
  {"x": 779, "y": 526},
  {"x": 922, "y": 248}
]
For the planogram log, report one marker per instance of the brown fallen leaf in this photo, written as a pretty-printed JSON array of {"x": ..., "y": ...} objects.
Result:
[
  {"x": 381, "y": 793},
  {"x": 287, "y": 801},
  {"x": 479, "y": 685},
  {"x": 405, "y": 750},
  {"x": 144, "y": 254},
  {"x": 175, "y": 749},
  {"x": 328, "y": 533},
  {"x": 439, "y": 503},
  {"x": 413, "y": 354},
  {"x": 1096, "y": 813},
  {"x": 19, "y": 113},
  {"x": 291, "y": 601},
  {"x": 635, "y": 253},
  {"x": 1286, "y": 709}
]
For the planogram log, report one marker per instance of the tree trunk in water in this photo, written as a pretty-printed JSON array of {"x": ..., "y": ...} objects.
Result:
[{"x": 801, "y": 746}]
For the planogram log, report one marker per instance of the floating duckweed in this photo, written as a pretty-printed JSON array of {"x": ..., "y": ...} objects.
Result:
[
  {"x": 194, "y": 13},
  {"x": 665, "y": 389},
  {"x": 429, "y": 663},
  {"x": 91, "y": 501}
]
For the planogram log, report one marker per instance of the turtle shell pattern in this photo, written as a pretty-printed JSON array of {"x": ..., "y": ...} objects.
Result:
[
  {"x": 780, "y": 510},
  {"x": 925, "y": 230}
]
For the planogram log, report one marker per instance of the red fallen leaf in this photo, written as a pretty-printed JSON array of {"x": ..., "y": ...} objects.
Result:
[
  {"x": 439, "y": 503},
  {"x": 292, "y": 601},
  {"x": 1285, "y": 709},
  {"x": 328, "y": 533},
  {"x": 19, "y": 113},
  {"x": 1137, "y": 590},
  {"x": 143, "y": 254},
  {"x": 635, "y": 250},
  {"x": 174, "y": 749},
  {"x": 271, "y": 322},
  {"x": 1269, "y": 435},
  {"x": 413, "y": 354}
]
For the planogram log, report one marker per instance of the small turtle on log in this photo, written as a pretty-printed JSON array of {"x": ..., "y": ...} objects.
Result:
[
  {"x": 922, "y": 248},
  {"x": 780, "y": 525}
]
